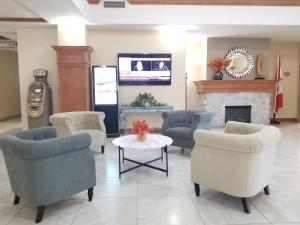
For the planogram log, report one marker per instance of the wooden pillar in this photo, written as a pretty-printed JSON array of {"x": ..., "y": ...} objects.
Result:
[{"x": 74, "y": 78}]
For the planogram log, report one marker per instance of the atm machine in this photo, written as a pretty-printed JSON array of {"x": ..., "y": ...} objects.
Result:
[
  {"x": 105, "y": 97},
  {"x": 39, "y": 101}
]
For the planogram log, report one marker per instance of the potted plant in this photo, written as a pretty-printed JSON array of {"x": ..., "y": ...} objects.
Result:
[{"x": 218, "y": 64}]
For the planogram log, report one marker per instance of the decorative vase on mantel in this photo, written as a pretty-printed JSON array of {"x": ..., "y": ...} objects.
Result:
[
  {"x": 218, "y": 75},
  {"x": 218, "y": 64}
]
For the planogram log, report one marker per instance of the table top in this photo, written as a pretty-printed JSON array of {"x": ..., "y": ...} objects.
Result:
[
  {"x": 149, "y": 109},
  {"x": 152, "y": 141}
]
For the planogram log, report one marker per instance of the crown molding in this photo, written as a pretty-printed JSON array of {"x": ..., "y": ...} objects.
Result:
[{"x": 218, "y": 2}]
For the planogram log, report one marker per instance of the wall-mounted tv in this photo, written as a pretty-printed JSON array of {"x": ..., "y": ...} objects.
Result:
[{"x": 144, "y": 69}]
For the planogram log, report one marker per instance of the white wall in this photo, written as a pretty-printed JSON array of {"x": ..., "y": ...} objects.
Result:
[
  {"x": 35, "y": 52},
  {"x": 9, "y": 85},
  {"x": 107, "y": 45},
  {"x": 220, "y": 46},
  {"x": 34, "y": 46},
  {"x": 193, "y": 73},
  {"x": 196, "y": 61},
  {"x": 290, "y": 63}
]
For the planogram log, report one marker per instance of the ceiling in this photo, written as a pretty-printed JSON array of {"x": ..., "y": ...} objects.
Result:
[
  {"x": 279, "y": 23},
  {"x": 276, "y": 33},
  {"x": 14, "y": 9}
]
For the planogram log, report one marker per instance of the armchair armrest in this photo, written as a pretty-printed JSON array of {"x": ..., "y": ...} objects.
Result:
[
  {"x": 166, "y": 123},
  {"x": 226, "y": 142},
  {"x": 94, "y": 120},
  {"x": 28, "y": 149},
  {"x": 59, "y": 120},
  {"x": 63, "y": 124},
  {"x": 202, "y": 120}
]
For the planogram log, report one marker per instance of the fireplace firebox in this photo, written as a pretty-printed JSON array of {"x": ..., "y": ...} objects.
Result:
[{"x": 238, "y": 113}]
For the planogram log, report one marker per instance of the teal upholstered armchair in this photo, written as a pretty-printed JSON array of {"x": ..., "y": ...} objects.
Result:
[
  {"x": 181, "y": 124},
  {"x": 44, "y": 169}
]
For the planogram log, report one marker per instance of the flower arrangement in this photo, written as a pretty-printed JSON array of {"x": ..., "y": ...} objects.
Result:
[
  {"x": 140, "y": 128},
  {"x": 218, "y": 64}
]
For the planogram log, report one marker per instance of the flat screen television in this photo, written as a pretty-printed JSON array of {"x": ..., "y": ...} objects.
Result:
[{"x": 144, "y": 69}]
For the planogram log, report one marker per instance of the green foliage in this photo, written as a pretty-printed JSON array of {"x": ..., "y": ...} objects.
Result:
[{"x": 145, "y": 100}]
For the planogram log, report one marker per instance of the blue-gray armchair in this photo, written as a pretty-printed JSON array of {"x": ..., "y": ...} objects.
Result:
[
  {"x": 44, "y": 169},
  {"x": 181, "y": 124}
]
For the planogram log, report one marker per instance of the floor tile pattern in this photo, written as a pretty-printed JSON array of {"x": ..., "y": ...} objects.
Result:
[{"x": 148, "y": 197}]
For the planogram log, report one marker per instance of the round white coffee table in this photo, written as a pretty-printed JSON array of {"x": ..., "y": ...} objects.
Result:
[{"x": 153, "y": 141}]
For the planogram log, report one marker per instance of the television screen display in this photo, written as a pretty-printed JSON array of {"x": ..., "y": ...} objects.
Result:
[{"x": 144, "y": 69}]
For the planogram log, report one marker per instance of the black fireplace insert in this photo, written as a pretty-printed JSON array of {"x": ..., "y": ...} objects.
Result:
[{"x": 238, "y": 113}]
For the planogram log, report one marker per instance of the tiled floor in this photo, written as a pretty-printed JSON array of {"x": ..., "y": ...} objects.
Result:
[
  {"x": 148, "y": 197},
  {"x": 10, "y": 125}
]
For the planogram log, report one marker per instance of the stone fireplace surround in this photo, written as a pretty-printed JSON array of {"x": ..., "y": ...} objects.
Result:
[
  {"x": 215, "y": 95},
  {"x": 216, "y": 102}
]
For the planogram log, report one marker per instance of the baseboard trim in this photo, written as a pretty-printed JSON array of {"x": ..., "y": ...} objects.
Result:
[
  {"x": 152, "y": 130},
  {"x": 289, "y": 120},
  {"x": 9, "y": 117}
]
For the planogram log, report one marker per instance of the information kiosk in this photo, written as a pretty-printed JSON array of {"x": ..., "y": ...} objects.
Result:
[{"x": 106, "y": 97}]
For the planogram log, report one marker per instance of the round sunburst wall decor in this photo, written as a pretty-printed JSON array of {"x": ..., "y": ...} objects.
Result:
[{"x": 242, "y": 62}]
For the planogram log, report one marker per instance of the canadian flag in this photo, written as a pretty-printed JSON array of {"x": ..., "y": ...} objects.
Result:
[{"x": 279, "y": 89}]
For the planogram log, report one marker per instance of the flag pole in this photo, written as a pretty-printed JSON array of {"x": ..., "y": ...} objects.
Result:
[
  {"x": 278, "y": 103},
  {"x": 273, "y": 120}
]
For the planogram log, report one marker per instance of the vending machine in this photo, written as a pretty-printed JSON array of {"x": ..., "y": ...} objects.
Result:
[{"x": 105, "y": 97}]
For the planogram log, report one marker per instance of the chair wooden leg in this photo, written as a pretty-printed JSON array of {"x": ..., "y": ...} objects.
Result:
[
  {"x": 197, "y": 189},
  {"x": 16, "y": 200},
  {"x": 90, "y": 194},
  {"x": 102, "y": 149},
  {"x": 39, "y": 214},
  {"x": 245, "y": 205},
  {"x": 267, "y": 190}
]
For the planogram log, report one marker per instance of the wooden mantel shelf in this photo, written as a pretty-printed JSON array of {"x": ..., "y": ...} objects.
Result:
[{"x": 227, "y": 86}]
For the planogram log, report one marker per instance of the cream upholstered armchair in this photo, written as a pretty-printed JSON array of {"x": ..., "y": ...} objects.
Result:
[
  {"x": 238, "y": 162},
  {"x": 82, "y": 122}
]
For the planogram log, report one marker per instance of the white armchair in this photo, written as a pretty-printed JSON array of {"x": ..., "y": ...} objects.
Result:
[
  {"x": 238, "y": 162},
  {"x": 82, "y": 122}
]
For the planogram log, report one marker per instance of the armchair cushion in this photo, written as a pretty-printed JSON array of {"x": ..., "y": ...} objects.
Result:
[
  {"x": 37, "y": 134},
  {"x": 97, "y": 136}
]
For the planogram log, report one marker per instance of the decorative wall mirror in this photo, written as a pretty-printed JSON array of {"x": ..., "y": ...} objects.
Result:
[{"x": 242, "y": 62}]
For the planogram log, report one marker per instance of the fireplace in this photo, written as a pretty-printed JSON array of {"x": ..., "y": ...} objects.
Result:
[{"x": 238, "y": 113}]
